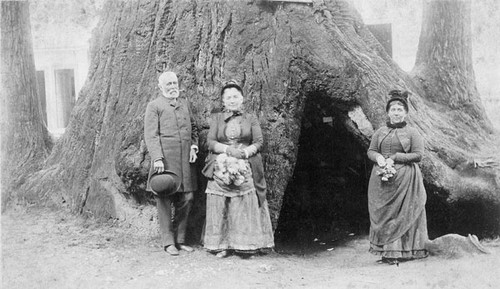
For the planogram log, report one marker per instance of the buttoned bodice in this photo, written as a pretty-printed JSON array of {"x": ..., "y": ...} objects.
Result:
[
  {"x": 391, "y": 144},
  {"x": 233, "y": 130}
]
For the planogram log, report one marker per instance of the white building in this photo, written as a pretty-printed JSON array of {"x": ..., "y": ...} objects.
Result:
[{"x": 61, "y": 73}]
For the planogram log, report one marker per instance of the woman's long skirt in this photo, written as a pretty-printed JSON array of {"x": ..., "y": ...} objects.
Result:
[
  {"x": 397, "y": 214},
  {"x": 237, "y": 223}
]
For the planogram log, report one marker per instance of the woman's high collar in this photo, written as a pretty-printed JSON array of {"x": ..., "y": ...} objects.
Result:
[
  {"x": 231, "y": 113},
  {"x": 396, "y": 125}
]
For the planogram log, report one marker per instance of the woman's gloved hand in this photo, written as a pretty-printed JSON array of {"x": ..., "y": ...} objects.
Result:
[
  {"x": 381, "y": 161},
  {"x": 234, "y": 152},
  {"x": 250, "y": 151}
]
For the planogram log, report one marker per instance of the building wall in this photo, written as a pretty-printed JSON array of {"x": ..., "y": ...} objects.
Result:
[{"x": 50, "y": 60}]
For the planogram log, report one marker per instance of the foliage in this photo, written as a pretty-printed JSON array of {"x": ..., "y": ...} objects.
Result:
[{"x": 63, "y": 22}]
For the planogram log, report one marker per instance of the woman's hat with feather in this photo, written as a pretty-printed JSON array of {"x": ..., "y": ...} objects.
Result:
[{"x": 398, "y": 95}]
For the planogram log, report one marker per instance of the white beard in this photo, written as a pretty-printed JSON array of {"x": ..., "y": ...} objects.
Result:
[{"x": 173, "y": 93}]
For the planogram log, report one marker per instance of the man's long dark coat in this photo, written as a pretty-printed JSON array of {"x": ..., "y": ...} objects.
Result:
[{"x": 169, "y": 132}]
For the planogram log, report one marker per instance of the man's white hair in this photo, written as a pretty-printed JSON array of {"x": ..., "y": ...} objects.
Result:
[{"x": 166, "y": 76}]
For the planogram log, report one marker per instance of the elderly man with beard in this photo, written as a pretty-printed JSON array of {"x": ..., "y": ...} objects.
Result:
[{"x": 172, "y": 141}]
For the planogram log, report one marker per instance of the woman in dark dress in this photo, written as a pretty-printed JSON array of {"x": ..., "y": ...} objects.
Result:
[
  {"x": 237, "y": 216},
  {"x": 396, "y": 193}
]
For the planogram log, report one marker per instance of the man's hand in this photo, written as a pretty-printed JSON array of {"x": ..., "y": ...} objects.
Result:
[
  {"x": 158, "y": 166},
  {"x": 381, "y": 161},
  {"x": 192, "y": 155}
]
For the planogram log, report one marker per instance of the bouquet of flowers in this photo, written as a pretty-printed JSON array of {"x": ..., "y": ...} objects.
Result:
[
  {"x": 388, "y": 171},
  {"x": 230, "y": 170}
]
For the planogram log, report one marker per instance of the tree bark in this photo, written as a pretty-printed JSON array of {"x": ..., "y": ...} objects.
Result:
[
  {"x": 25, "y": 140},
  {"x": 284, "y": 54}
]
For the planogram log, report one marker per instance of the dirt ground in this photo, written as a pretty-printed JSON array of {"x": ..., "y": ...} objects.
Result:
[{"x": 45, "y": 249}]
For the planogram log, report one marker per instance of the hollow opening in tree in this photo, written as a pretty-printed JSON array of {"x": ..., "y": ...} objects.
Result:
[{"x": 326, "y": 199}]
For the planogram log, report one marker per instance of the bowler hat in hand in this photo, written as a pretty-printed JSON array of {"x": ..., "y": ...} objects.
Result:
[{"x": 165, "y": 184}]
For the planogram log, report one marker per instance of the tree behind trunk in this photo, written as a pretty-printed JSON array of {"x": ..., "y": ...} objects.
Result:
[{"x": 25, "y": 140}]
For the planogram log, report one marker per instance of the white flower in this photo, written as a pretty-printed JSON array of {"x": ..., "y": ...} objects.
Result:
[
  {"x": 387, "y": 172},
  {"x": 230, "y": 170}
]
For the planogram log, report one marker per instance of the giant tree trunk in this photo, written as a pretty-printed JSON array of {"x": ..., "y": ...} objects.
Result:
[
  {"x": 25, "y": 140},
  {"x": 289, "y": 57}
]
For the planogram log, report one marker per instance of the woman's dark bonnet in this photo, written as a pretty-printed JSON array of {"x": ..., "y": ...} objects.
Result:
[
  {"x": 397, "y": 95},
  {"x": 231, "y": 84}
]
